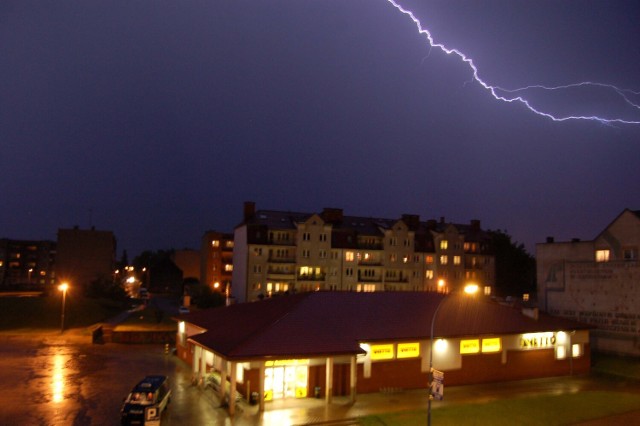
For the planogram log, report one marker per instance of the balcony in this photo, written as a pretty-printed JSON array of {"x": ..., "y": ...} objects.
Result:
[
  {"x": 312, "y": 277},
  {"x": 274, "y": 259}
]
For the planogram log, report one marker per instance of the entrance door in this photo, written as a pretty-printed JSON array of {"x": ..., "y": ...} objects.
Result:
[{"x": 289, "y": 381}]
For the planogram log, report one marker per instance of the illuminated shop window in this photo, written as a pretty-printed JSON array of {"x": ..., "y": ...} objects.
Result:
[
  {"x": 602, "y": 255},
  {"x": 561, "y": 352},
  {"x": 576, "y": 350}
]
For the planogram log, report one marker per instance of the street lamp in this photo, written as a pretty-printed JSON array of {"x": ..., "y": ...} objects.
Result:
[
  {"x": 469, "y": 289},
  {"x": 63, "y": 288}
]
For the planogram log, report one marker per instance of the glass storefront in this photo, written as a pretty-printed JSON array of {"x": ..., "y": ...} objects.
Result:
[{"x": 286, "y": 379}]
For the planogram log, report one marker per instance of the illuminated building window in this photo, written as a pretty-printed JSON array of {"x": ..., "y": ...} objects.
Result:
[
  {"x": 428, "y": 259},
  {"x": 561, "y": 352},
  {"x": 444, "y": 259},
  {"x": 349, "y": 256},
  {"x": 576, "y": 350},
  {"x": 215, "y": 243},
  {"x": 602, "y": 255},
  {"x": 525, "y": 297},
  {"x": 429, "y": 274},
  {"x": 456, "y": 260},
  {"x": 444, "y": 244},
  {"x": 487, "y": 290},
  {"x": 228, "y": 267}
]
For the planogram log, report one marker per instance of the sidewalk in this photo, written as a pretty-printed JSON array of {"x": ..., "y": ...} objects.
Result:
[{"x": 341, "y": 411}]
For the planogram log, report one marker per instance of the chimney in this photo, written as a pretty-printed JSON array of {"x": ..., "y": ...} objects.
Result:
[
  {"x": 412, "y": 220},
  {"x": 331, "y": 215},
  {"x": 249, "y": 210}
]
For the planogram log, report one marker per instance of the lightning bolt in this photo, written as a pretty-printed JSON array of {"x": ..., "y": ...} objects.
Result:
[{"x": 502, "y": 94}]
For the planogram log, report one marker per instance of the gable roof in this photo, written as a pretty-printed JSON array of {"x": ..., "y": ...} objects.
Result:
[{"x": 319, "y": 324}]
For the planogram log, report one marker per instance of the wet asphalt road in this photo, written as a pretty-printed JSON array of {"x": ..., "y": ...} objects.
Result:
[{"x": 54, "y": 380}]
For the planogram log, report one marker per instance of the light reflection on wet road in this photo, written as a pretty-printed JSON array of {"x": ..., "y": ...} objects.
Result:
[{"x": 64, "y": 380}]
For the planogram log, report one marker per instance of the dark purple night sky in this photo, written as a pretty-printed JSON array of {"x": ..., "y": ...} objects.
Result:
[{"x": 157, "y": 119}]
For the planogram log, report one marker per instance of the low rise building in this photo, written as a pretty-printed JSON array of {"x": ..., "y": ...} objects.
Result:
[
  {"x": 597, "y": 282},
  {"x": 321, "y": 344},
  {"x": 216, "y": 261}
]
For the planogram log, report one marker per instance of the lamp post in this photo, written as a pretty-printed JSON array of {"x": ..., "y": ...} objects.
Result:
[
  {"x": 469, "y": 289},
  {"x": 63, "y": 288}
]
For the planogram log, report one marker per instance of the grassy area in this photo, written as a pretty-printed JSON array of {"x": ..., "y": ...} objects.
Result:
[
  {"x": 45, "y": 312},
  {"x": 540, "y": 410},
  {"x": 618, "y": 366}
]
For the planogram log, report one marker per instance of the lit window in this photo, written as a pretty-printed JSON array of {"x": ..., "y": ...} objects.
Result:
[
  {"x": 576, "y": 350},
  {"x": 349, "y": 256},
  {"x": 444, "y": 259},
  {"x": 561, "y": 352},
  {"x": 428, "y": 259},
  {"x": 228, "y": 267},
  {"x": 444, "y": 244},
  {"x": 215, "y": 243},
  {"x": 602, "y": 255},
  {"x": 525, "y": 297},
  {"x": 429, "y": 275},
  {"x": 456, "y": 260},
  {"x": 487, "y": 290}
]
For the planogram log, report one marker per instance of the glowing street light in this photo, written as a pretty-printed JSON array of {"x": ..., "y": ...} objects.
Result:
[
  {"x": 471, "y": 289},
  {"x": 63, "y": 288}
]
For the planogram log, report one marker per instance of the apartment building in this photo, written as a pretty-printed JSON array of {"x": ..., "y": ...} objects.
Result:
[
  {"x": 27, "y": 263},
  {"x": 84, "y": 255},
  {"x": 216, "y": 260},
  {"x": 289, "y": 252},
  {"x": 596, "y": 282}
]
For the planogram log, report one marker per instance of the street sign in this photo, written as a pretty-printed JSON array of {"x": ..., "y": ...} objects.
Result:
[{"x": 437, "y": 384}]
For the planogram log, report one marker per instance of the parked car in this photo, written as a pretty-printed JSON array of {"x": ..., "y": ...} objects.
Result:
[{"x": 146, "y": 401}]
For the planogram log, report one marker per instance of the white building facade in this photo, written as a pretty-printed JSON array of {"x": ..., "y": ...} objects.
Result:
[{"x": 596, "y": 282}]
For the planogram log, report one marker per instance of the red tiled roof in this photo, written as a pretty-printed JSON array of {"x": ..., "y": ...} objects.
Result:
[{"x": 334, "y": 323}]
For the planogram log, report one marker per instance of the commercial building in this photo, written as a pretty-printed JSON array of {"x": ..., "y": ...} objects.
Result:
[
  {"x": 596, "y": 282},
  {"x": 216, "y": 265},
  {"x": 27, "y": 263},
  {"x": 288, "y": 252},
  {"x": 321, "y": 344},
  {"x": 85, "y": 255}
]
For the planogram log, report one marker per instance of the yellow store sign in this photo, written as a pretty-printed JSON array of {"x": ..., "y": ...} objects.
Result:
[
  {"x": 471, "y": 346},
  {"x": 408, "y": 350},
  {"x": 491, "y": 345},
  {"x": 381, "y": 352}
]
